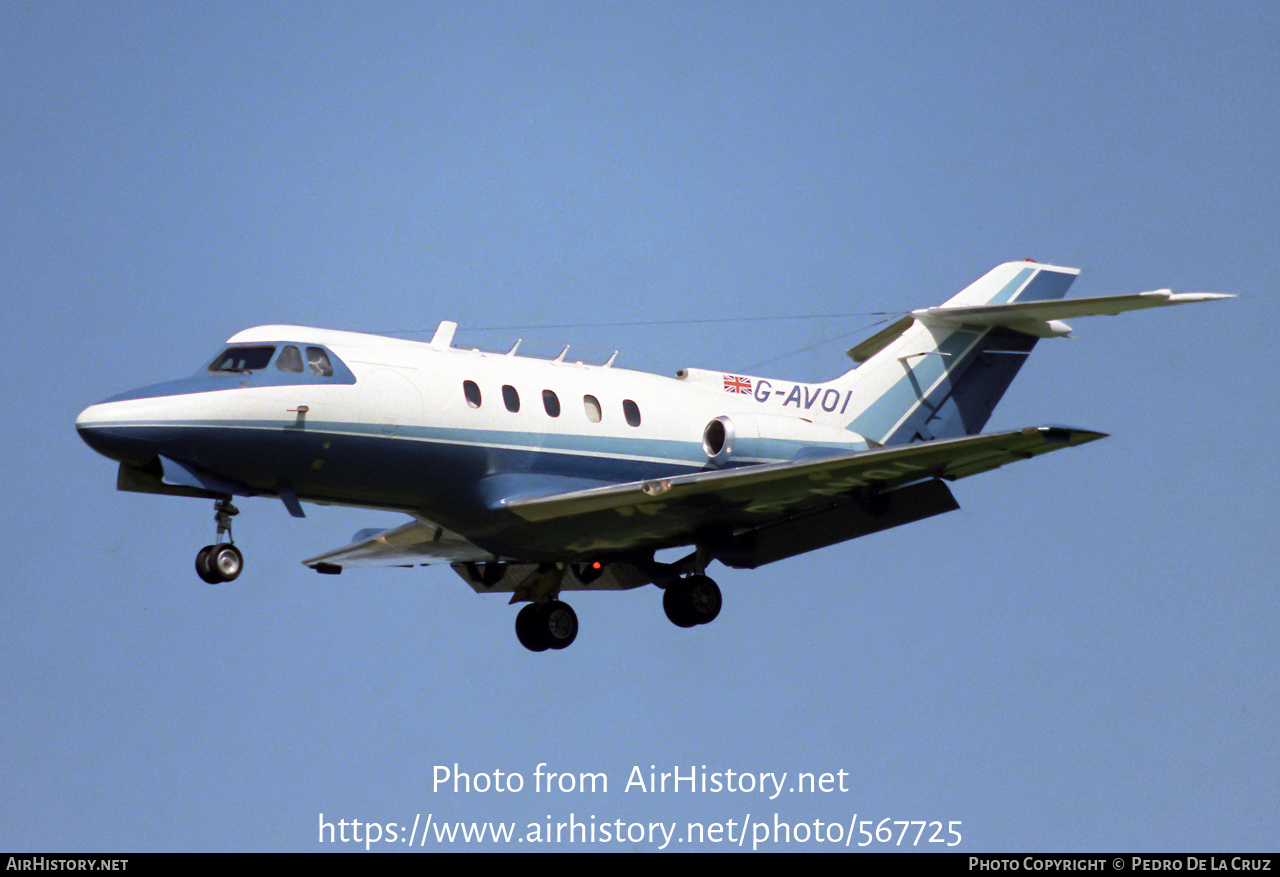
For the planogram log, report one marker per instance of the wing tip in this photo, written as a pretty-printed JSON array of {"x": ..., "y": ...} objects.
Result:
[{"x": 1068, "y": 435}]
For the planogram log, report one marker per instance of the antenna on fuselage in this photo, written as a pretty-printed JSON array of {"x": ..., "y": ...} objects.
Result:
[
  {"x": 611, "y": 359},
  {"x": 443, "y": 339},
  {"x": 514, "y": 347},
  {"x": 560, "y": 358}
]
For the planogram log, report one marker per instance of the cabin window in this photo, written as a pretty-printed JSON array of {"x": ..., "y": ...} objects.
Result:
[
  {"x": 592, "y": 406},
  {"x": 631, "y": 411},
  {"x": 551, "y": 402},
  {"x": 510, "y": 398},
  {"x": 318, "y": 362},
  {"x": 242, "y": 359},
  {"x": 290, "y": 360},
  {"x": 472, "y": 393}
]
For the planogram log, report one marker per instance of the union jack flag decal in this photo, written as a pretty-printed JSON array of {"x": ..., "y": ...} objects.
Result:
[{"x": 735, "y": 384}]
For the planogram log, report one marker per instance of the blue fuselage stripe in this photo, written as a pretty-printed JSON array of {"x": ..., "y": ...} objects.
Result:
[{"x": 433, "y": 471}]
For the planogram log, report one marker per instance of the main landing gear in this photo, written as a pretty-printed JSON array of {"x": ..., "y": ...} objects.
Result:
[
  {"x": 552, "y": 624},
  {"x": 691, "y": 600},
  {"x": 221, "y": 561}
]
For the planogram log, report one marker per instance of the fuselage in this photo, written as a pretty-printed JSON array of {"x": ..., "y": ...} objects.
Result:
[{"x": 446, "y": 434}]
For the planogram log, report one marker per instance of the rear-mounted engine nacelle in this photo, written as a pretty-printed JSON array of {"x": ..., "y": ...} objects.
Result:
[{"x": 755, "y": 438}]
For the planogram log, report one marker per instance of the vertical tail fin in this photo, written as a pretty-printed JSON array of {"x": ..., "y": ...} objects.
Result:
[{"x": 941, "y": 379}]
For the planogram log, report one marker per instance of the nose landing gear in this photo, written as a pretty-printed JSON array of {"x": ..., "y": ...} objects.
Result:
[{"x": 221, "y": 561}]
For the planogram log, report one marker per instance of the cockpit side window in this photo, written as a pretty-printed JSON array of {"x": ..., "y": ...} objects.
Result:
[
  {"x": 242, "y": 359},
  {"x": 318, "y": 361},
  {"x": 290, "y": 360}
]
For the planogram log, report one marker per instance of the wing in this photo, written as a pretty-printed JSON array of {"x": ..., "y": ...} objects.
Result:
[
  {"x": 780, "y": 486},
  {"x": 418, "y": 541},
  {"x": 754, "y": 515}
]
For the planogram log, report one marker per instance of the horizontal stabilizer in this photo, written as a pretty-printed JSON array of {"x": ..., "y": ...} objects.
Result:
[{"x": 1037, "y": 317}]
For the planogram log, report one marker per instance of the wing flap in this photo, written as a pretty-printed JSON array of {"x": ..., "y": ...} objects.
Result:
[{"x": 838, "y": 523}]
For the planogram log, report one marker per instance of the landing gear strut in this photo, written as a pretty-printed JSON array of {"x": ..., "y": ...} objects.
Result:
[
  {"x": 221, "y": 561},
  {"x": 691, "y": 600},
  {"x": 550, "y": 625}
]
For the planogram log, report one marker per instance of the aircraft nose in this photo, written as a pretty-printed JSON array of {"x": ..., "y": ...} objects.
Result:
[{"x": 106, "y": 428}]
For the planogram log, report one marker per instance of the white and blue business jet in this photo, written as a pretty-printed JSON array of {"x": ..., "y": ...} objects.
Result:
[{"x": 532, "y": 477}]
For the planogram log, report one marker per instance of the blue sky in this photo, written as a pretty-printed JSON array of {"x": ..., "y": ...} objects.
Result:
[{"x": 1082, "y": 658}]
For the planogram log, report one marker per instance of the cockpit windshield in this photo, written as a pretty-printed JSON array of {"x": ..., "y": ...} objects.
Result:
[
  {"x": 290, "y": 360},
  {"x": 296, "y": 362},
  {"x": 242, "y": 359}
]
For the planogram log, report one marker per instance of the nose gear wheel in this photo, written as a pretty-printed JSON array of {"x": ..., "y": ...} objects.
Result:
[{"x": 221, "y": 561}]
